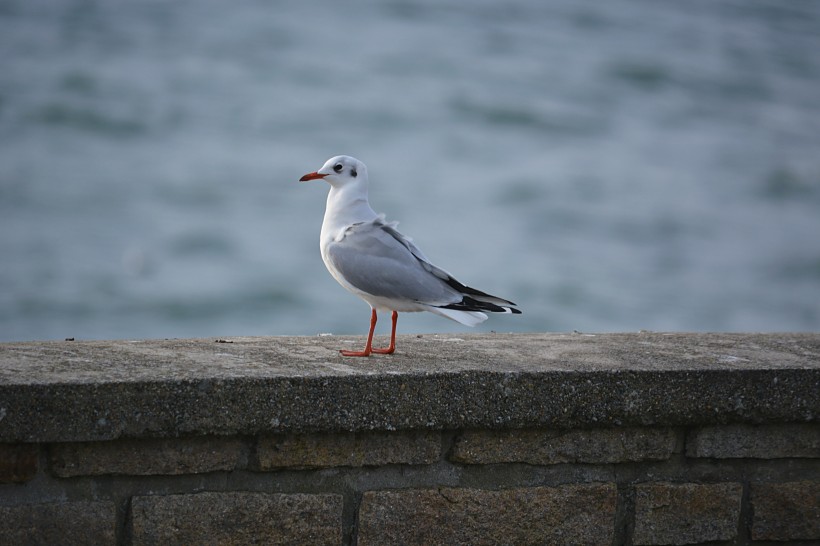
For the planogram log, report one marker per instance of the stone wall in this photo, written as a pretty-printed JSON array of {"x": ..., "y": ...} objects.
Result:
[{"x": 486, "y": 439}]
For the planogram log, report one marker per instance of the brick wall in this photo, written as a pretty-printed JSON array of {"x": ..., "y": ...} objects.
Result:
[
  {"x": 721, "y": 480},
  {"x": 733, "y": 484}
]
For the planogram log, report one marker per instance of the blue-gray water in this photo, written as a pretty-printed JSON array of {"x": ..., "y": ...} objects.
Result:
[{"x": 615, "y": 165}]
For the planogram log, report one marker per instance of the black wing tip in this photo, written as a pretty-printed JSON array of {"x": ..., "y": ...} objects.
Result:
[{"x": 471, "y": 304}]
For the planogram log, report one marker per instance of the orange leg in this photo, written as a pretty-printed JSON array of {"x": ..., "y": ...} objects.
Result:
[
  {"x": 368, "y": 348},
  {"x": 389, "y": 350}
]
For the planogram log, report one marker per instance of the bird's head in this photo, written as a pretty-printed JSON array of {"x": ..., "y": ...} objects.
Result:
[{"x": 340, "y": 171}]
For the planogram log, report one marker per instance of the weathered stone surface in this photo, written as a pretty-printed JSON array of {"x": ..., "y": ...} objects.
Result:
[
  {"x": 786, "y": 511},
  {"x": 757, "y": 442},
  {"x": 351, "y": 449},
  {"x": 192, "y": 455},
  {"x": 572, "y": 514},
  {"x": 103, "y": 390},
  {"x": 66, "y": 523},
  {"x": 667, "y": 513},
  {"x": 544, "y": 447},
  {"x": 18, "y": 462},
  {"x": 237, "y": 518}
]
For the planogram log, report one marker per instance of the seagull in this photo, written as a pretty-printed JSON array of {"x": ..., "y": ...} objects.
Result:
[{"x": 370, "y": 258}]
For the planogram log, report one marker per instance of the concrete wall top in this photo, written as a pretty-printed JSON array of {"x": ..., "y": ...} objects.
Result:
[{"x": 101, "y": 390}]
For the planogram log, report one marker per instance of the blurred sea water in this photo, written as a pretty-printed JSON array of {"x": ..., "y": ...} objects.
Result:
[{"x": 609, "y": 166}]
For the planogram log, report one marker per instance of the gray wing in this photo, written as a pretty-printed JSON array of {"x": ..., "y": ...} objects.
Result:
[
  {"x": 377, "y": 259},
  {"x": 478, "y": 300}
]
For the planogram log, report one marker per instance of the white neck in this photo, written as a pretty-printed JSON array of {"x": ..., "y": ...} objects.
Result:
[{"x": 346, "y": 205}]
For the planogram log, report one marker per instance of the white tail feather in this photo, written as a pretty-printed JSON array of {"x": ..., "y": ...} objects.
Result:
[{"x": 468, "y": 318}]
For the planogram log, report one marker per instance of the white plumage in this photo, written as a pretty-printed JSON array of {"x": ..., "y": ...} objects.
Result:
[{"x": 372, "y": 259}]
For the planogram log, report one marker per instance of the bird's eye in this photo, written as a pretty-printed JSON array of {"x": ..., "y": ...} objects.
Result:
[
  {"x": 353, "y": 173},
  {"x": 337, "y": 167}
]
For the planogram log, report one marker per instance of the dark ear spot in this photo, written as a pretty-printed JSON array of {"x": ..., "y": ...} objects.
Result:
[{"x": 353, "y": 172}]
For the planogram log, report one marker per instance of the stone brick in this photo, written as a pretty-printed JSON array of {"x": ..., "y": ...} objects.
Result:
[
  {"x": 570, "y": 514},
  {"x": 237, "y": 518},
  {"x": 58, "y": 523},
  {"x": 18, "y": 462},
  {"x": 167, "y": 456},
  {"x": 668, "y": 513},
  {"x": 756, "y": 442},
  {"x": 544, "y": 447},
  {"x": 786, "y": 511},
  {"x": 351, "y": 449}
]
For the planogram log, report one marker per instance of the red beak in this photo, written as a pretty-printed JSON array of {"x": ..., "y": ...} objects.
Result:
[{"x": 311, "y": 176}]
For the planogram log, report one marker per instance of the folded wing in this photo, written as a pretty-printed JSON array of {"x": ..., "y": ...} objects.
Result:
[{"x": 377, "y": 259}]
